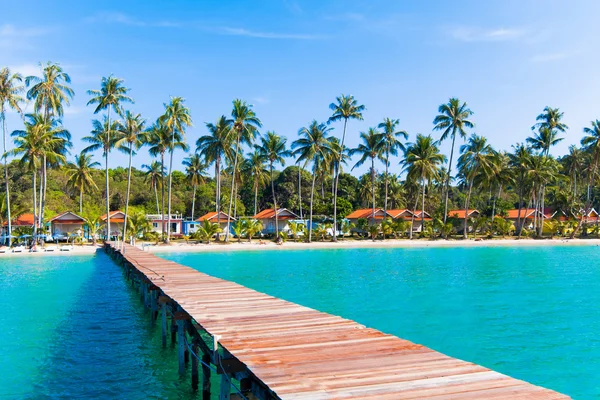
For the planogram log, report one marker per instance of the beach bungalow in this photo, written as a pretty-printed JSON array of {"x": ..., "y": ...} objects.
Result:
[
  {"x": 117, "y": 220},
  {"x": 404, "y": 214},
  {"x": 189, "y": 227},
  {"x": 460, "y": 216},
  {"x": 23, "y": 220},
  {"x": 215, "y": 217},
  {"x": 176, "y": 223},
  {"x": 526, "y": 217},
  {"x": 65, "y": 224},
  {"x": 417, "y": 226},
  {"x": 267, "y": 218},
  {"x": 367, "y": 213}
]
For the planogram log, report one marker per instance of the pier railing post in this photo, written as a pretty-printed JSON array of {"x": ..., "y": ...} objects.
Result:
[
  {"x": 205, "y": 377},
  {"x": 163, "y": 308},
  {"x": 180, "y": 318},
  {"x": 195, "y": 366}
]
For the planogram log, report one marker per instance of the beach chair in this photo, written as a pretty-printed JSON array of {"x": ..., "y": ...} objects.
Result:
[
  {"x": 4, "y": 249},
  {"x": 50, "y": 248},
  {"x": 18, "y": 249},
  {"x": 66, "y": 248}
]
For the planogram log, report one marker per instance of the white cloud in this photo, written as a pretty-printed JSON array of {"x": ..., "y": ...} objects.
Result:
[
  {"x": 264, "y": 35},
  {"x": 124, "y": 19},
  {"x": 470, "y": 34}
]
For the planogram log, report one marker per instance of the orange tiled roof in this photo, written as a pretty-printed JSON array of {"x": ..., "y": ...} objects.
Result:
[
  {"x": 514, "y": 214},
  {"x": 22, "y": 220},
  {"x": 396, "y": 213},
  {"x": 270, "y": 213},
  {"x": 213, "y": 215},
  {"x": 461, "y": 213},
  {"x": 112, "y": 216}
]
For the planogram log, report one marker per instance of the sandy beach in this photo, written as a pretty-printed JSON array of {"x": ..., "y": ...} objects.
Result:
[{"x": 76, "y": 250}]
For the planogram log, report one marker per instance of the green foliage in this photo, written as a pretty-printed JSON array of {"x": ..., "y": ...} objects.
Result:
[{"x": 206, "y": 231}]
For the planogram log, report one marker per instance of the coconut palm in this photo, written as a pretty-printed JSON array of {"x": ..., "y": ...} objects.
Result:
[
  {"x": 391, "y": 143},
  {"x": 313, "y": 145},
  {"x": 475, "y": 156},
  {"x": 453, "y": 119},
  {"x": 93, "y": 224},
  {"x": 160, "y": 141},
  {"x": 372, "y": 147},
  {"x": 500, "y": 175},
  {"x": 50, "y": 92},
  {"x": 273, "y": 150},
  {"x": 176, "y": 119},
  {"x": 195, "y": 170},
  {"x": 591, "y": 143},
  {"x": 139, "y": 224},
  {"x": 254, "y": 168},
  {"x": 574, "y": 164},
  {"x": 81, "y": 176},
  {"x": 244, "y": 126},
  {"x": 131, "y": 135},
  {"x": 519, "y": 161},
  {"x": 239, "y": 229},
  {"x": 207, "y": 230},
  {"x": 10, "y": 90},
  {"x": 346, "y": 107},
  {"x": 422, "y": 161},
  {"x": 253, "y": 226},
  {"x": 296, "y": 228},
  {"x": 544, "y": 139},
  {"x": 155, "y": 174},
  {"x": 111, "y": 95},
  {"x": 103, "y": 137},
  {"x": 550, "y": 118}
]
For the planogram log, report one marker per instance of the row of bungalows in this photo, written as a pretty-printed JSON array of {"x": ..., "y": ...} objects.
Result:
[
  {"x": 379, "y": 215},
  {"x": 267, "y": 219}
]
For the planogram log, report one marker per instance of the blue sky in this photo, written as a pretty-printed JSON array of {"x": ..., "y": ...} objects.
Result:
[{"x": 290, "y": 59}]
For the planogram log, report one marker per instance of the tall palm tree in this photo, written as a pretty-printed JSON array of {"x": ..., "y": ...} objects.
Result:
[
  {"x": 519, "y": 161},
  {"x": 273, "y": 150},
  {"x": 372, "y": 147},
  {"x": 346, "y": 107},
  {"x": 155, "y": 173},
  {"x": 591, "y": 143},
  {"x": 500, "y": 175},
  {"x": 103, "y": 137},
  {"x": 574, "y": 164},
  {"x": 160, "y": 141},
  {"x": 245, "y": 126},
  {"x": 131, "y": 135},
  {"x": 195, "y": 169},
  {"x": 391, "y": 144},
  {"x": 422, "y": 161},
  {"x": 544, "y": 139},
  {"x": 111, "y": 95},
  {"x": 214, "y": 147},
  {"x": 254, "y": 167},
  {"x": 176, "y": 119},
  {"x": 81, "y": 175},
  {"x": 313, "y": 145},
  {"x": 10, "y": 89},
  {"x": 550, "y": 118},
  {"x": 453, "y": 119},
  {"x": 475, "y": 156}
]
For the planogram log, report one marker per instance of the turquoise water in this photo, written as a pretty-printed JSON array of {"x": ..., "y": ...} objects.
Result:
[
  {"x": 71, "y": 327},
  {"x": 532, "y": 313}
]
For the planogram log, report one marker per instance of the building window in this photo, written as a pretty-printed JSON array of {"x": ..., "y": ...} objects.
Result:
[{"x": 155, "y": 224}]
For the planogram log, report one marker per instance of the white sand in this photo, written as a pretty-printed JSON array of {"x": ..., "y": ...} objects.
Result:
[{"x": 77, "y": 250}]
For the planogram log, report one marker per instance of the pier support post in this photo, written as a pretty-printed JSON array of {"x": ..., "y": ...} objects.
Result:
[
  {"x": 195, "y": 366},
  {"x": 163, "y": 308},
  {"x": 225, "y": 388},
  {"x": 205, "y": 377},
  {"x": 180, "y": 318}
]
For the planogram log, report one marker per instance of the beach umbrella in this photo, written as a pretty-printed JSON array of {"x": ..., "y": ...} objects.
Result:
[
  {"x": 25, "y": 236},
  {"x": 7, "y": 236}
]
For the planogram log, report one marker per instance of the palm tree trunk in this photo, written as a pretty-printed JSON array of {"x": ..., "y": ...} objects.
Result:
[
  {"x": 524, "y": 221},
  {"x": 38, "y": 216},
  {"x": 81, "y": 200},
  {"x": 299, "y": 190},
  {"x": 107, "y": 195},
  {"x": 467, "y": 200},
  {"x": 43, "y": 198},
  {"x": 156, "y": 195},
  {"x": 127, "y": 195},
  {"x": 542, "y": 216},
  {"x": 519, "y": 225},
  {"x": 274, "y": 203},
  {"x": 170, "y": 185},
  {"x": 337, "y": 176},
  {"x": 423, "y": 210},
  {"x": 312, "y": 197},
  {"x": 387, "y": 164},
  {"x": 218, "y": 194},
  {"x": 373, "y": 188},
  {"x": 412, "y": 218},
  {"x": 162, "y": 189},
  {"x": 587, "y": 203},
  {"x": 448, "y": 177},
  {"x": 194, "y": 202},
  {"x": 8, "y": 217},
  {"x": 255, "y": 197},
  {"x": 34, "y": 202},
  {"x": 235, "y": 161},
  {"x": 494, "y": 206}
]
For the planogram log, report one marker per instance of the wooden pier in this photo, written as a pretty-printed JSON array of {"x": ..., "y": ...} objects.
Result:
[{"x": 275, "y": 349}]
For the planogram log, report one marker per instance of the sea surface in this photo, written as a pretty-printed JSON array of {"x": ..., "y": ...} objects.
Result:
[{"x": 71, "y": 327}]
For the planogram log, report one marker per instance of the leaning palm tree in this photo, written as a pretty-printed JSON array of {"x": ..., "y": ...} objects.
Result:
[
  {"x": 111, "y": 95},
  {"x": 131, "y": 135},
  {"x": 214, "y": 147},
  {"x": 245, "y": 126},
  {"x": 159, "y": 140},
  {"x": 81, "y": 176},
  {"x": 176, "y": 119},
  {"x": 313, "y": 145},
  {"x": 346, "y": 107},
  {"x": 372, "y": 147},
  {"x": 10, "y": 89},
  {"x": 476, "y": 155},
  {"x": 254, "y": 167},
  {"x": 452, "y": 120},
  {"x": 155, "y": 174},
  {"x": 104, "y": 137},
  {"x": 273, "y": 150},
  {"x": 195, "y": 171},
  {"x": 422, "y": 161},
  {"x": 391, "y": 144}
]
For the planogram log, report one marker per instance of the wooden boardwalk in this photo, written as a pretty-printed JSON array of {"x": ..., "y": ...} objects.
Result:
[{"x": 294, "y": 352}]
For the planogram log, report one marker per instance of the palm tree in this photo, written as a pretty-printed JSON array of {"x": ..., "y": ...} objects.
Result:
[
  {"x": 273, "y": 150},
  {"x": 104, "y": 137},
  {"x": 574, "y": 164},
  {"x": 544, "y": 139},
  {"x": 422, "y": 161},
  {"x": 155, "y": 173},
  {"x": 550, "y": 118},
  {"x": 214, "y": 147},
  {"x": 111, "y": 95},
  {"x": 93, "y": 224},
  {"x": 313, "y": 145},
  {"x": 391, "y": 146},
  {"x": 475, "y": 156},
  {"x": 296, "y": 228},
  {"x": 253, "y": 226},
  {"x": 51, "y": 91},
  {"x": 591, "y": 143},
  {"x": 10, "y": 89},
  {"x": 245, "y": 126},
  {"x": 519, "y": 161},
  {"x": 131, "y": 135},
  {"x": 452, "y": 120},
  {"x": 346, "y": 107},
  {"x": 372, "y": 147},
  {"x": 500, "y": 175},
  {"x": 254, "y": 167},
  {"x": 207, "y": 230},
  {"x": 176, "y": 119},
  {"x": 81, "y": 176},
  {"x": 194, "y": 169},
  {"x": 160, "y": 141}
]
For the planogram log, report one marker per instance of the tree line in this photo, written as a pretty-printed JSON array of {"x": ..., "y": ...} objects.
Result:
[{"x": 246, "y": 178}]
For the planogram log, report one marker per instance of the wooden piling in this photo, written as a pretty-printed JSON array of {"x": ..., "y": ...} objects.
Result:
[
  {"x": 181, "y": 318},
  {"x": 163, "y": 308},
  {"x": 195, "y": 366},
  {"x": 225, "y": 387}
]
